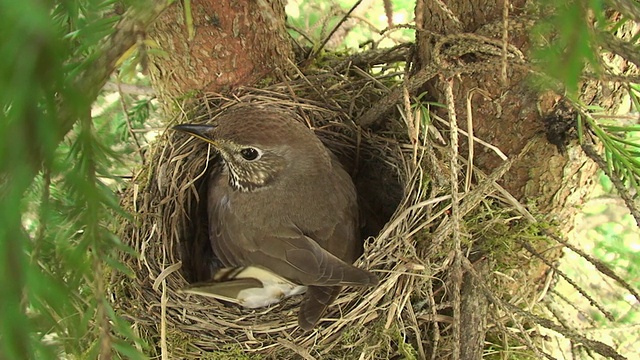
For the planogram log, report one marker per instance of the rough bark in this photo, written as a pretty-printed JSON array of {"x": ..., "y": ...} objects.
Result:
[{"x": 231, "y": 44}]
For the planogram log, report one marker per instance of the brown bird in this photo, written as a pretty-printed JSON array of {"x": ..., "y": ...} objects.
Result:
[{"x": 283, "y": 214}]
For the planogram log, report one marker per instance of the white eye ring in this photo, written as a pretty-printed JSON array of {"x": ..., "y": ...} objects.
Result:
[{"x": 251, "y": 154}]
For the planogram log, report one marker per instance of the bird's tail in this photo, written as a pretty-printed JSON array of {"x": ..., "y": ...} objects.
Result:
[{"x": 314, "y": 304}]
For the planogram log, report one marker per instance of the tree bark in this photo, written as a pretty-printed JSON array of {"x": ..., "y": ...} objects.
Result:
[{"x": 228, "y": 44}]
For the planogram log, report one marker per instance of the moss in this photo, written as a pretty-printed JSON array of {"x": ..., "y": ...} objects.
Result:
[
  {"x": 498, "y": 234},
  {"x": 405, "y": 349},
  {"x": 498, "y": 349},
  {"x": 354, "y": 341},
  {"x": 181, "y": 343}
]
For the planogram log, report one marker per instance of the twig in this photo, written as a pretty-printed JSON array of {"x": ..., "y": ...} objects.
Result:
[
  {"x": 627, "y": 7},
  {"x": 474, "y": 313},
  {"x": 379, "y": 110},
  {"x": 481, "y": 283},
  {"x": 505, "y": 41},
  {"x": 413, "y": 128},
  {"x": 130, "y": 89},
  {"x": 473, "y": 198},
  {"x": 369, "y": 58},
  {"x": 488, "y": 145},
  {"x": 388, "y": 11},
  {"x": 619, "y": 47},
  {"x": 617, "y": 183},
  {"x": 456, "y": 217},
  {"x": 372, "y": 116},
  {"x": 510, "y": 199},
  {"x": 611, "y": 78},
  {"x": 593, "y": 303},
  {"x": 470, "y": 136},
  {"x": 450, "y": 15},
  {"x": 571, "y": 304},
  {"x": 434, "y": 313},
  {"x": 125, "y": 110},
  {"x": 599, "y": 347},
  {"x": 304, "y": 353},
  {"x": 317, "y": 50},
  {"x": 603, "y": 268}
]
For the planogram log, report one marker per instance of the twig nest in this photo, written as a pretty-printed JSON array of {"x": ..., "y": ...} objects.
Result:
[{"x": 173, "y": 250}]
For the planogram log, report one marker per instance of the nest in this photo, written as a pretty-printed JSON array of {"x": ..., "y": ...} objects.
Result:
[
  {"x": 403, "y": 193},
  {"x": 170, "y": 234}
]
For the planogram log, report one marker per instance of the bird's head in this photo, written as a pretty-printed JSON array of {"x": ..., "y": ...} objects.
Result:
[{"x": 256, "y": 149}]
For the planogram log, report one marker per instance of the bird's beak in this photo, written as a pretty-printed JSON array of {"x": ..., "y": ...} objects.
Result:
[{"x": 198, "y": 131}]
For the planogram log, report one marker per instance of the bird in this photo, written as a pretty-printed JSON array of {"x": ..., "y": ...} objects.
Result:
[{"x": 283, "y": 213}]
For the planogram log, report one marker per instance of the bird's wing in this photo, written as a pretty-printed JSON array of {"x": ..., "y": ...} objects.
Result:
[
  {"x": 315, "y": 302},
  {"x": 344, "y": 239},
  {"x": 228, "y": 290},
  {"x": 285, "y": 250},
  {"x": 222, "y": 222},
  {"x": 299, "y": 258}
]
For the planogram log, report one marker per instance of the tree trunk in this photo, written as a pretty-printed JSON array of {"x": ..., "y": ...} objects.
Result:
[
  {"x": 465, "y": 39},
  {"x": 228, "y": 44},
  {"x": 505, "y": 112}
]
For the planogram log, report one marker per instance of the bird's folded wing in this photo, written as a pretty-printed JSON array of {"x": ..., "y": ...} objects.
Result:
[
  {"x": 227, "y": 290},
  {"x": 315, "y": 302},
  {"x": 300, "y": 259}
]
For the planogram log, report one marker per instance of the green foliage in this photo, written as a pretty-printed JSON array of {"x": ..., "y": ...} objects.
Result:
[
  {"x": 621, "y": 147},
  {"x": 616, "y": 249},
  {"x": 606, "y": 229},
  {"x": 620, "y": 142},
  {"x": 566, "y": 41},
  {"x": 569, "y": 46},
  {"x": 56, "y": 211}
]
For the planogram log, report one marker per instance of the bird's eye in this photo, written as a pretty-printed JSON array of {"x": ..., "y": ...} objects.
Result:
[{"x": 250, "y": 154}]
